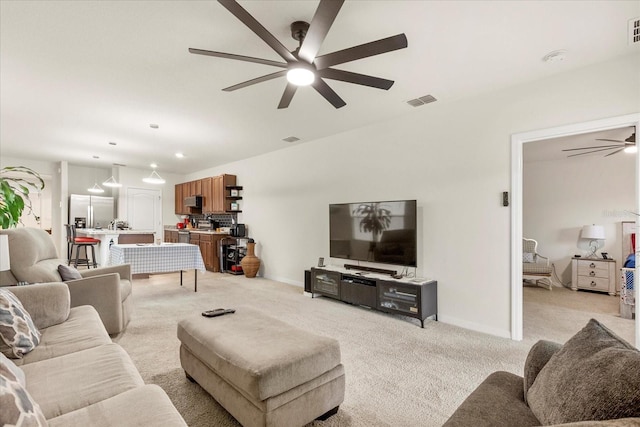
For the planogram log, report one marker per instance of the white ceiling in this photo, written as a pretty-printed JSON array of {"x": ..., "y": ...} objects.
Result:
[{"x": 76, "y": 75}]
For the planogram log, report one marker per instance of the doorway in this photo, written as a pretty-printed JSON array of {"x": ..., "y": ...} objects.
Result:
[
  {"x": 144, "y": 210},
  {"x": 517, "y": 142}
]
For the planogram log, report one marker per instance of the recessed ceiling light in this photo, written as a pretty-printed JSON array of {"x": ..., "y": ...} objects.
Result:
[
  {"x": 555, "y": 56},
  {"x": 153, "y": 165},
  {"x": 291, "y": 139},
  {"x": 179, "y": 155},
  {"x": 113, "y": 143},
  {"x": 154, "y": 126}
]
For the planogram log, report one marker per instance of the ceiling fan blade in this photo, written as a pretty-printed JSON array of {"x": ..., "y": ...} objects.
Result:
[
  {"x": 589, "y": 152},
  {"x": 610, "y": 140},
  {"x": 608, "y": 147},
  {"x": 617, "y": 151},
  {"x": 328, "y": 93},
  {"x": 248, "y": 20},
  {"x": 320, "y": 25},
  {"x": 256, "y": 80},
  {"x": 361, "y": 51},
  {"x": 359, "y": 79},
  {"x": 238, "y": 57},
  {"x": 289, "y": 91}
]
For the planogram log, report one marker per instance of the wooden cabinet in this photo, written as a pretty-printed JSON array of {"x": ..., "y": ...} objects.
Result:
[
  {"x": 207, "y": 195},
  {"x": 179, "y": 202},
  {"x": 171, "y": 236},
  {"x": 593, "y": 274},
  {"x": 213, "y": 191},
  {"x": 208, "y": 244}
]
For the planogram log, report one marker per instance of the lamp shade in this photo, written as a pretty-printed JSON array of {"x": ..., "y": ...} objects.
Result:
[
  {"x": 5, "y": 264},
  {"x": 593, "y": 232}
]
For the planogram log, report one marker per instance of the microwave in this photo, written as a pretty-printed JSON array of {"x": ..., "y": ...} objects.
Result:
[{"x": 193, "y": 202}]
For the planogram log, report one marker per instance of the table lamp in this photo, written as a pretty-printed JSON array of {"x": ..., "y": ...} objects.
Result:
[
  {"x": 593, "y": 233},
  {"x": 5, "y": 264}
]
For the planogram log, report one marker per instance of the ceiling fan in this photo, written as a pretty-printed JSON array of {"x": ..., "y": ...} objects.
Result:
[
  {"x": 628, "y": 145},
  {"x": 302, "y": 67}
]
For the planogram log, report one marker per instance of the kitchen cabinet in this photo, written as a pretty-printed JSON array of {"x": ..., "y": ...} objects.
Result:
[
  {"x": 171, "y": 236},
  {"x": 213, "y": 191},
  {"x": 208, "y": 244},
  {"x": 207, "y": 195}
]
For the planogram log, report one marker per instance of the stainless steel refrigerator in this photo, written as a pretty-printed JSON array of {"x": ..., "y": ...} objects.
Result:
[{"x": 91, "y": 211}]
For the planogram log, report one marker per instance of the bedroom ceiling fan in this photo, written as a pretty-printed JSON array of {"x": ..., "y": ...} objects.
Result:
[
  {"x": 302, "y": 67},
  {"x": 628, "y": 145}
]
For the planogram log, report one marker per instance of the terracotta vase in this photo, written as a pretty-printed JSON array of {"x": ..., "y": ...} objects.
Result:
[{"x": 250, "y": 263}]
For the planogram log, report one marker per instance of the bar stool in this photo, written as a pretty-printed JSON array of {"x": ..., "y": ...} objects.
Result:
[{"x": 80, "y": 242}]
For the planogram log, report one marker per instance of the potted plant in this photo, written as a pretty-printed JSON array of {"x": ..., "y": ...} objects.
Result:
[{"x": 15, "y": 184}]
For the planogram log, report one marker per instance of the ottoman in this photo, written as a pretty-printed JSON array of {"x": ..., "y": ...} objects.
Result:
[{"x": 263, "y": 371}]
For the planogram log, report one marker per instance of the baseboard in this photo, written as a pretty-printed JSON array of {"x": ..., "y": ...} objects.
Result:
[{"x": 474, "y": 326}]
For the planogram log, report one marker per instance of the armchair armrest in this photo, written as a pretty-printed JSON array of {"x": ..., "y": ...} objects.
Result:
[
  {"x": 537, "y": 358},
  {"x": 48, "y": 304},
  {"x": 543, "y": 257},
  {"x": 103, "y": 293},
  {"x": 124, "y": 270}
]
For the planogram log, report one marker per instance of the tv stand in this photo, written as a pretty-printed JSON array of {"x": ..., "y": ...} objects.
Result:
[
  {"x": 370, "y": 269},
  {"x": 417, "y": 298}
]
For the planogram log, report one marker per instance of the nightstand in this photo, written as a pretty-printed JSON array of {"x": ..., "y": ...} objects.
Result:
[{"x": 593, "y": 274}]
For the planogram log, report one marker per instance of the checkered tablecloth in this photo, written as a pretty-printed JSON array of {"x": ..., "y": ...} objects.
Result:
[{"x": 165, "y": 258}]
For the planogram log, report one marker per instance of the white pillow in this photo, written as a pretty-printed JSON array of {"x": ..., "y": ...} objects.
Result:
[{"x": 527, "y": 257}]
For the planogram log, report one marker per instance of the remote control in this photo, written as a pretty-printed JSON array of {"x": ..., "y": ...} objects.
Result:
[{"x": 218, "y": 312}]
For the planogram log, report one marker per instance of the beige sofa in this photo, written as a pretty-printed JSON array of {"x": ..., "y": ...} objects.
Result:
[
  {"x": 593, "y": 380},
  {"x": 76, "y": 374},
  {"x": 34, "y": 259}
]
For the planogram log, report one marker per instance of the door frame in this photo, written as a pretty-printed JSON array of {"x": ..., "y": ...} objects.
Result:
[
  {"x": 517, "y": 142},
  {"x": 158, "y": 227}
]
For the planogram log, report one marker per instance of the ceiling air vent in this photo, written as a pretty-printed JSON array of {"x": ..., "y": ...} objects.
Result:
[
  {"x": 291, "y": 139},
  {"x": 427, "y": 99},
  {"x": 634, "y": 30}
]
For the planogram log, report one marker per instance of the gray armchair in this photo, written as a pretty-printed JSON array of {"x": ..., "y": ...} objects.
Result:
[{"x": 34, "y": 259}]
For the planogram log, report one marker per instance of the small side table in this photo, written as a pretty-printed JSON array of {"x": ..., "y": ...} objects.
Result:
[{"x": 594, "y": 274}]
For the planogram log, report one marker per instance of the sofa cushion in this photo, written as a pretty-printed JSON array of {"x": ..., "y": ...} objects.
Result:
[
  {"x": 73, "y": 381},
  {"x": 595, "y": 376},
  {"x": 17, "y": 330},
  {"x": 18, "y": 407},
  {"x": 141, "y": 406},
  {"x": 34, "y": 258},
  {"x": 498, "y": 401},
  {"x": 68, "y": 273},
  {"x": 82, "y": 330}
]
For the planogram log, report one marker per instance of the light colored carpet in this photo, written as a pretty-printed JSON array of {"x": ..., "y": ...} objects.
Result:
[{"x": 396, "y": 372}]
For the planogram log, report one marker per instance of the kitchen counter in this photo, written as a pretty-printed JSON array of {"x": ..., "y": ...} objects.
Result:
[
  {"x": 109, "y": 237},
  {"x": 197, "y": 230}
]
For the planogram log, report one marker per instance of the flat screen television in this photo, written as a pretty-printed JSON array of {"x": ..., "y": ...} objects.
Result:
[{"x": 381, "y": 232}]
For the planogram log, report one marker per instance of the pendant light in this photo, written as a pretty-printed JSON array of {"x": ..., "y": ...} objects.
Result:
[
  {"x": 154, "y": 178},
  {"x": 95, "y": 189},
  {"x": 111, "y": 182}
]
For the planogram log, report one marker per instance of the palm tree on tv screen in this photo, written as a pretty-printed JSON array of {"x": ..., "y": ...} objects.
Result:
[{"x": 375, "y": 219}]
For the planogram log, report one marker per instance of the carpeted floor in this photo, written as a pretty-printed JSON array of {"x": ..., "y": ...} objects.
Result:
[{"x": 396, "y": 372}]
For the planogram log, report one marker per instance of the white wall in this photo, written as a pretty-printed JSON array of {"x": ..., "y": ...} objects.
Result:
[
  {"x": 563, "y": 195},
  {"x": 453, "y": 157}
]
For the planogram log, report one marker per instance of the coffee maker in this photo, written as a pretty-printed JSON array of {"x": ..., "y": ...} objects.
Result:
[{"x": 238, "y": 230}]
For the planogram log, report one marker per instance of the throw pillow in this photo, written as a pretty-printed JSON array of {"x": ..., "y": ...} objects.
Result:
[
  {"x": 68, "y": 273},
  {"x": 17, "y": 329},
  {"x": 527, "y": 257},
  {"x": 15, "y": 370},
  {"x": 18, "y": 407},
  {"x": 595, "y": 376}
]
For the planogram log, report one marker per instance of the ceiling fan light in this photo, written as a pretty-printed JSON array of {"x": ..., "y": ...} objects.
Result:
[
  {"x": 631, "y": 149},
  {"x": 300, "y": 76}
]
